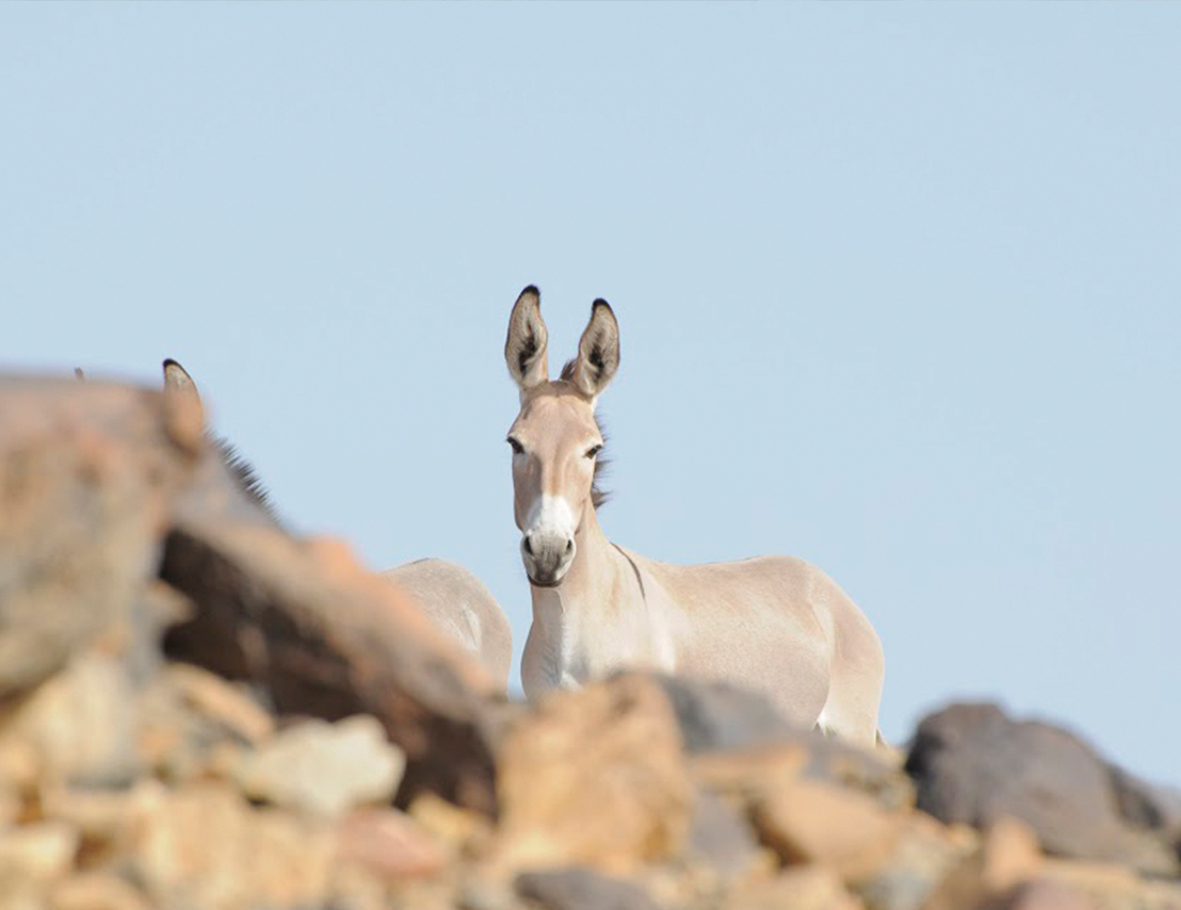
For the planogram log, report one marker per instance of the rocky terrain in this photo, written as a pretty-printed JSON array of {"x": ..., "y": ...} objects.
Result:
[{"x": 199, "y": 711}]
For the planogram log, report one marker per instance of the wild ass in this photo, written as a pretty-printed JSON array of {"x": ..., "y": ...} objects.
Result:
[
  {"x": 773, "y": 624},
  {"x": 451, "y": 596}
]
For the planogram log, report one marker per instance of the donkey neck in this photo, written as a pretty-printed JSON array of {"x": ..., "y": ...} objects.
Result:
[
  {"x": 593, "y": 580},
  {"x": 598, "y": 619}
]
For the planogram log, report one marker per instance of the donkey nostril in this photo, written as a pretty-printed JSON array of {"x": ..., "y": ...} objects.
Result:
[
  {"x": 569, "y": 547},
  {"x": 528, "y": 546}
]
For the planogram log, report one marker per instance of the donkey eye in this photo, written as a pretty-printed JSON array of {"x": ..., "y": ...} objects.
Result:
[
  {"x": 516, "y": 446},
  {"x": 593, "y": 451}
]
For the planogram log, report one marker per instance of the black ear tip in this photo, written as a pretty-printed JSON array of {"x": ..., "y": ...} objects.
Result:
[
  {"x": 169, "y": 362},
  {"x": 601, "y": 303},
  {"x": 530, "y": 289}
]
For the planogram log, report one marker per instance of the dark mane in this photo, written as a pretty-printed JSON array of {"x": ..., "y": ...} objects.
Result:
[
  {"x": 599, "y": 495},
  {"x": 243, "y": 472}
]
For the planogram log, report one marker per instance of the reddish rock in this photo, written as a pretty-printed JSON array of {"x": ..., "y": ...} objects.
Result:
[
  {"x": 88, "y": 474},
  {"x": 388, "y": 844}
]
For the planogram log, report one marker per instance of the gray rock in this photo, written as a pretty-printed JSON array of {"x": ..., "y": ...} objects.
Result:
[
  {"x": 720, "y": 836},
  {"x": 720, "y": 715},
  {"x": 972, "y": 763},
  {"x": 578, "y": 888}
]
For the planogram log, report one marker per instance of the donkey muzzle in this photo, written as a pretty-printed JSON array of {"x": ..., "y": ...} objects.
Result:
[{"x": 547, "y": 558}]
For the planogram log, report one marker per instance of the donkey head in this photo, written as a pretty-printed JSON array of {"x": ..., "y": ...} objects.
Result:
[{"x": 555, "y": 439}]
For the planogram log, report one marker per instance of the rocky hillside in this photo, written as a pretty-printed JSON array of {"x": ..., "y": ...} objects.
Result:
[{"x": 198, "y": 711}]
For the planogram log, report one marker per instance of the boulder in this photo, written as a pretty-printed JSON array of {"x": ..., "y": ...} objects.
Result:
[
  {"x": 720, "y": 837},
  {"x": 322, "y": 636},
  {"x": 79, "y": 726},
  {"x": 819, "y": 823},
  {"x": 923, "y": 854},
  {"x": 1008, "y": 856},
  {"x": 972, "y": 763},
  {"x": 595, "y": 777},
  {"x": 205, "y": 846},
  {"x": 720, "y": 715},
  {"x": 88, "y": 476},
  {"x": 102, "y": 485}
]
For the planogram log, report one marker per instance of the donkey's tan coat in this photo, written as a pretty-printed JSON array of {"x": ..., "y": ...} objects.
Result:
[
  {"x": 463, "y": 608},
  {"x": 774, "y": 623}
]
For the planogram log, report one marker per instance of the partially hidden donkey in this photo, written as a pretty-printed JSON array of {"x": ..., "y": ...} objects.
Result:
[{"x": 451, "y": 596}]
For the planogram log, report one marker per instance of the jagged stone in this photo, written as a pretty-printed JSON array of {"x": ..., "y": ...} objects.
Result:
[
  {"x": 822, "y": 824},
  {"x": 88, "y": 476},
  {"x": 323, "y": 768},
  {"x": 595, "y": 777},
  {"x": 204, "y": 846}
]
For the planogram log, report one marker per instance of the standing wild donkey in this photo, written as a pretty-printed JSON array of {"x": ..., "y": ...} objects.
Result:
[
  {"x": 451, "y": 596},
  {"x": 773, "y": 624}
]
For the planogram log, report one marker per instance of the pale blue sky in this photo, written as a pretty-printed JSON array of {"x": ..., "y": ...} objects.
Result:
[{"x": 898, "y": 290}]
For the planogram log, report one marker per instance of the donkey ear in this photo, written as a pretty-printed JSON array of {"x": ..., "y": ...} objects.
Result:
[
  {"x": 598, "y": 352},
  {"x": 182, "y": 404},
  {"x": 524, "y": 349},
  {"x": 177, "y": 381}
]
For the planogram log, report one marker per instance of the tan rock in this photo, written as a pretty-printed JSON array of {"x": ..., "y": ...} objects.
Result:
[
  {"x": 924, "y": 853},
  {"x": 751, "y": 772},
  {"x": 1110, "y": 887},
  {"x": 78, "y": 726},
  {"x": 180, "y": 741},
  {"x": 594, "y": 777},
  {"x": 1007, "y": 856},
  {"x": 324, "y": 768},
  {"x": 222, "y": 702},
  {"x": 388, "y": 844},
  {"x": 1010, "y": 854},
  {"x": 96, "y": 891},
  {"x": 204, "y": 846},
  {"x": 41, "y": 852},
  {"x": 799, "y": 888},
  {"x": 108, "y": 822},
  {"x": 450, "y": 824},
  {"x": 819, "y": 823},
  {"x": 1041, "y": 895}
]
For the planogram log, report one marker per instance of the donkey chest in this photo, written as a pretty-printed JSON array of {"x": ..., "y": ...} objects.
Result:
[{"x": 596, "y": 647}]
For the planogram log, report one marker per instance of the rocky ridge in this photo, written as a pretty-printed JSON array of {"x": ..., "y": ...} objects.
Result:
[{"x": 199, "y": 711}]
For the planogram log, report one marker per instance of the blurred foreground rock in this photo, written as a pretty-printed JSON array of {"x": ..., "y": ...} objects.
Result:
[
  {"x": 199, "y": 711},
  {"x": 974, "y": 764}
]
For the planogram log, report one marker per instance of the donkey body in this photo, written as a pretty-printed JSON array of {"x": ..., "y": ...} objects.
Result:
[{"x": 774, "y": 624}]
